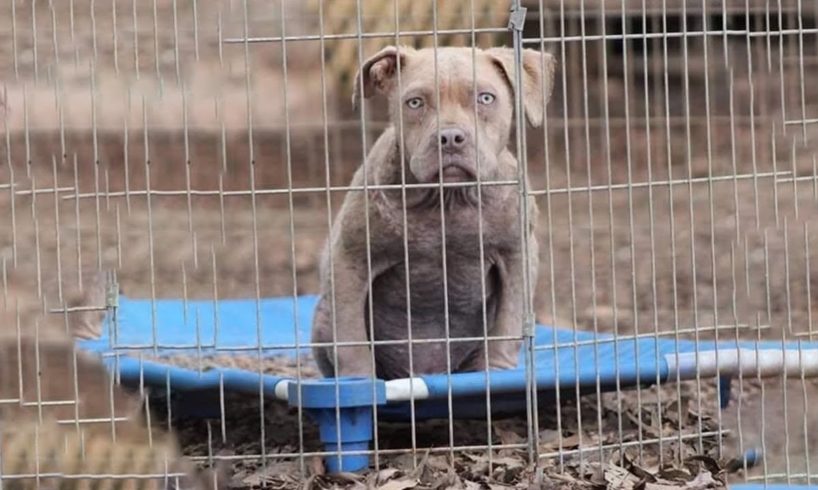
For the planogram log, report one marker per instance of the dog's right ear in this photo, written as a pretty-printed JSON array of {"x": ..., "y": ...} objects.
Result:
[{"x": 377, "y": 74}]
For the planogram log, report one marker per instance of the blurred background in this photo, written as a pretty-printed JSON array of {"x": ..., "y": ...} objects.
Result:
[{"x": 676, "y": 172}]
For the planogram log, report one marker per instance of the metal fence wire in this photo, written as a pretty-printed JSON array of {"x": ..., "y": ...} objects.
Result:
[{"x": 549, "y": 243}]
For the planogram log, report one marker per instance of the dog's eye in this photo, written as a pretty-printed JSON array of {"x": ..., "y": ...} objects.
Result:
[
  {"x": 414, "y": 103},
  {"x": 485, "y": 98}
]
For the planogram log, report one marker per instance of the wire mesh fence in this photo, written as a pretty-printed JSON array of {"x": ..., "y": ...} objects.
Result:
[{"x": 582, "y": 260}]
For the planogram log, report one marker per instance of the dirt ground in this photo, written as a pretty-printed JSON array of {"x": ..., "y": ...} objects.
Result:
[{"x": 728, "y": 253}]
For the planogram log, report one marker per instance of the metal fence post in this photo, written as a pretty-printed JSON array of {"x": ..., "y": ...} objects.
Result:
[{"x": 515, "y": 25}]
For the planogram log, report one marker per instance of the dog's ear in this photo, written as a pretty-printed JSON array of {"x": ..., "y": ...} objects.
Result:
[
  {"x": 377, "y": 74},
  {"x": 537, "y": 78}
]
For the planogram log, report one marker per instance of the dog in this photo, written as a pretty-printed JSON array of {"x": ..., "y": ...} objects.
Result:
[{"x": 451, "y": 121}]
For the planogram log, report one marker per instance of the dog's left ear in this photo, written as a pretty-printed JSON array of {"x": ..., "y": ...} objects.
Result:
[{"x": 537, "y": 78}]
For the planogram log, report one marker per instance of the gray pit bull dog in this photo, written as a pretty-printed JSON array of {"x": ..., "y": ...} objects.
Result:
[{"x": 474, "y": 108}]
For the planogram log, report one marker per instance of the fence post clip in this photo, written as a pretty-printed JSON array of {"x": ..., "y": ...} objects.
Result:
[{"x": 516, "y": 20}]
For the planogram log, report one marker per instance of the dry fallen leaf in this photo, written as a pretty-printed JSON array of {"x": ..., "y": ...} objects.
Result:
[
  {"x": 399, "y": 484},
  {"x": 470, "y": 485},
  {"x": 549, "y": 437},
  {"x": 406, "y": 462},
  {"x": 703, "y": 480},
  {"x": 597, "y": 475},
  {"x": 316, "y": 466},
  {"x": 644, "y": 474},
  {"x": 284, "y": 470},
  {"x": 386, "y": 474},
  {"x": 567, "y": 442},
  {"x": 617, "y": 477},
  {"x": 675, "y": 474},
  {"x": 506, "y": 461},
  {"x": 657, "y": 486},
  {"x": 506, "y": 434}
]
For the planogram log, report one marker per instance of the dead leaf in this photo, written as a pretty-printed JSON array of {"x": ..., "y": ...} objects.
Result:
[
  {"x": 456, "y": 485},
  {"x": 405, "y": 462},
  {"x": 336, "y": 480},
  {"x": 386, "y": 475},
  {"x": 479, "y": 464},
  {"x": 703, "y": 480},
  {"x": 509, "y": 462},
  {"x": 447, "y": 479},
  {"x": 549, "y": 436},
  {"x": 568, "y": 442},
  {"x": 272, "y": 471},
  {"x": 506, "y": 434},
  {"x": 657, "y": 486},
  {"x": 316, "y": 466},
  {"x": 438, "y": 462},
  {"x": 597, "y": 475},
  {"x": 646, "y": 475},
  {"x": 675, "y": 474},
  {"x": 619, "y": 478},
  {"x": 709, "y": 463},
  {"x": 399, "y": 484}
]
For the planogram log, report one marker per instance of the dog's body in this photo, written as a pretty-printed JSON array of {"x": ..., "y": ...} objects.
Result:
[{"x": 478, "y": 290}]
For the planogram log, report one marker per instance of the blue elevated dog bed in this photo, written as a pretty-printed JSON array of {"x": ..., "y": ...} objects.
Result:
[{"x": 564, "y": 359}]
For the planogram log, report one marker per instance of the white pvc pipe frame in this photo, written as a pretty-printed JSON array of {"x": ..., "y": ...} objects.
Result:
[
  {"x": 397, "y": 390},
  {"x": 746, "y": 362},
  {"x": 683, "y": 366}
]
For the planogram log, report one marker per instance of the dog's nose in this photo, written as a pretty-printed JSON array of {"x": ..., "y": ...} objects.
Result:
[{"x": 452, "y": 139}]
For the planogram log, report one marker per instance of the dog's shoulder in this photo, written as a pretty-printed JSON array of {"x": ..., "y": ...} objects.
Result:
[
  {"x": 381, "y": 163},
  {"x": 365, "y": 212}
]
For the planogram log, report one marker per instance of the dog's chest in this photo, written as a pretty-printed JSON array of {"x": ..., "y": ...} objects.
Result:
[
  {"x": 444, "y": 281},
  {"x": 441, "y": 276},
  {"x": 463, "y": 229},
  {"x": 428, "y": 297}
]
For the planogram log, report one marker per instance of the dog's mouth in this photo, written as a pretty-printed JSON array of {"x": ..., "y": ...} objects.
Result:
[
  {"x": 454, "y": 170},
  {"x": 454, "y": 173}
]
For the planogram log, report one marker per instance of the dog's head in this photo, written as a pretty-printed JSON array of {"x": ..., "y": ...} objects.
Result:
[{"x": 454, "y": 107}]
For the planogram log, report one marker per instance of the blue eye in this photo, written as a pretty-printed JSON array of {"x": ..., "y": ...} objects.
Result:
[
  {"x": 414, "y": 103},
  {"x": 485, "y": 98}
]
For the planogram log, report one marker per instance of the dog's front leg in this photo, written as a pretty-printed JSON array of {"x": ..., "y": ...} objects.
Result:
[
  {"x": 352, "y": 259},
  {"x": 510, "y": 316},
  {"x": 339, "y": 318}
]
